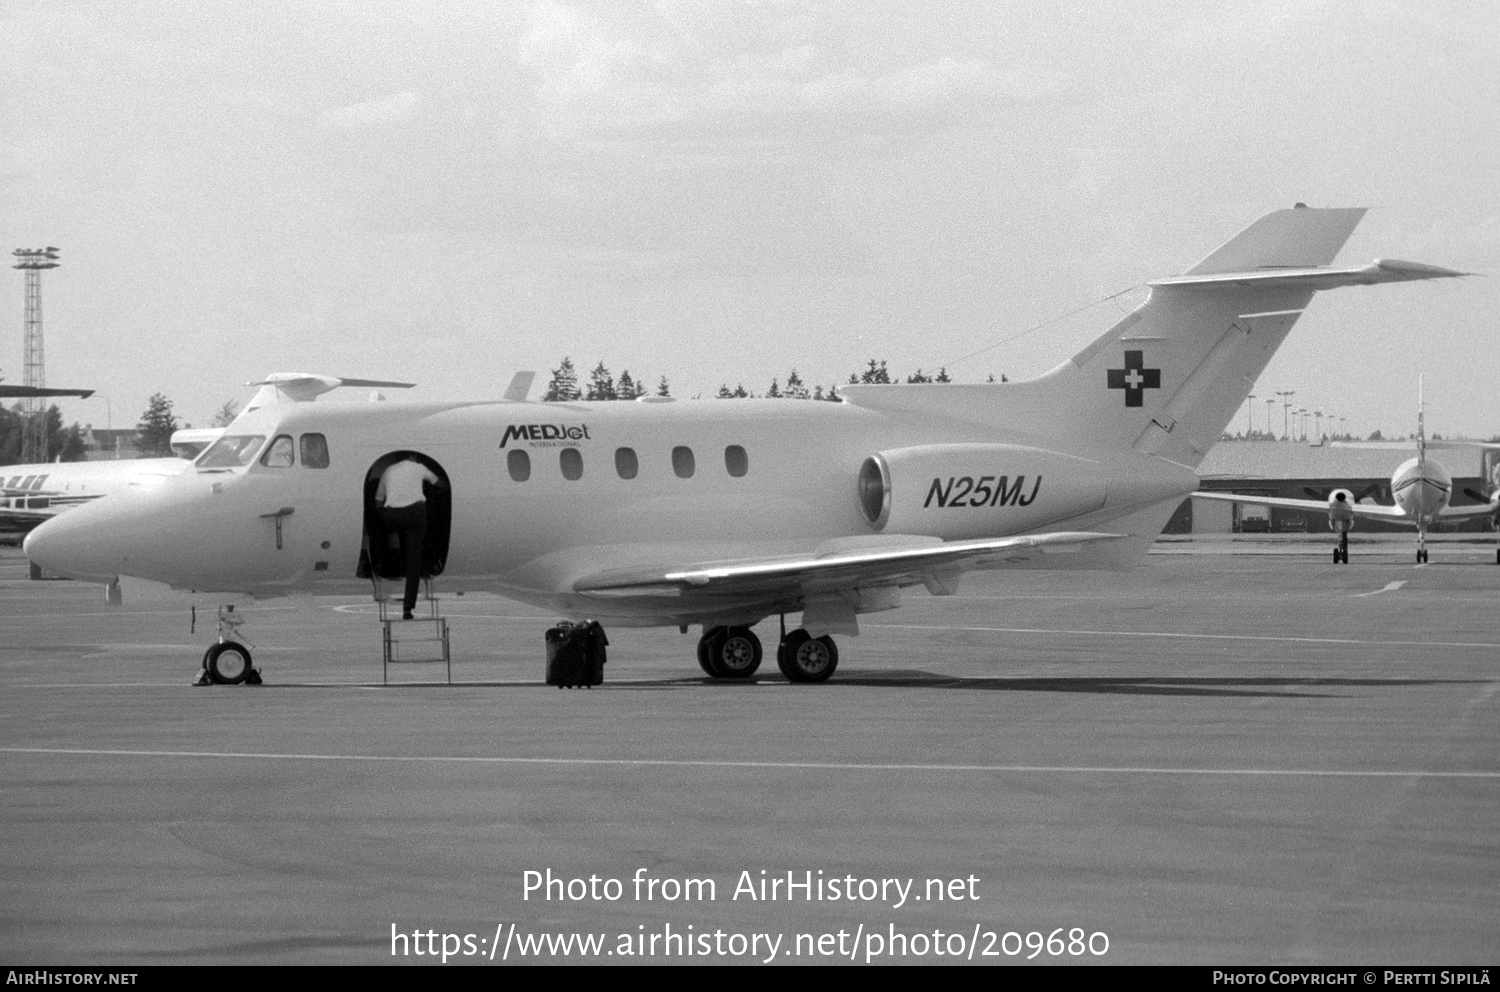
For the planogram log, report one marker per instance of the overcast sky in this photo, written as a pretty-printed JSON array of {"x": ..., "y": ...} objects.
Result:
[{"x": 719, "y": 191}]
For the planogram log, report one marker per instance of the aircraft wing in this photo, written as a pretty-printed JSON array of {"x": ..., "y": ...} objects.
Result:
[
  {"x": 908, "y": 565},
  {"x": 23, "y": 392},
  {"x": 1472, "y": 510},
  {"x": 1372, "y": 511}
]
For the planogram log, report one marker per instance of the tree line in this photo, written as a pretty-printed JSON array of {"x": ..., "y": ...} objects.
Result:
[
  {"x": 153, "y": 436},
  {"x": 565, "y": 387}
]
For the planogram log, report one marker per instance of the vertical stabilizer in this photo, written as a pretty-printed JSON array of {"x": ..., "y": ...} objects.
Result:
[
  {"x": 1421, "y": 430},
  {"x": 1168, "y": 378}
]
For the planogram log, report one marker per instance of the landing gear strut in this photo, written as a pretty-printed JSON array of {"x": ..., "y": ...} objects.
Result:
[
  {"x": 1421, "y": 548},
  {"x": 227, "y": 662},
  {"x": 1341, "y": 553}
]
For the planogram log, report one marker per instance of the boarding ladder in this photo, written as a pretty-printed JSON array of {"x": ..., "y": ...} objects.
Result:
[{"x": 422, "y": 640}]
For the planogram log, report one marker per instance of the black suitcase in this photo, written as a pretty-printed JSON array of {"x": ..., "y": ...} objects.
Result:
[{"x": 575, "y": 654}]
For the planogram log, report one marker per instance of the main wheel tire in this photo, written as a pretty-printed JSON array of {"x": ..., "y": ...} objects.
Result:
[
  {"x": 734, "y": 653},
  {"x": 803, "y": 658},
  {"x": 709, "y": 633},
  {"x": 228, "y": 663}
]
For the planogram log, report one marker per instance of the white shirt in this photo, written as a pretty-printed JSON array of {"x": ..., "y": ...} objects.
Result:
[{"x": 401, "y": 484}]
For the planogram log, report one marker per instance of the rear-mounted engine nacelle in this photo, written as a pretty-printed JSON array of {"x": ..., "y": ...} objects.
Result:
[
  {"x": 957, "y": 491},
  {"x": 1340, "y": 510}
]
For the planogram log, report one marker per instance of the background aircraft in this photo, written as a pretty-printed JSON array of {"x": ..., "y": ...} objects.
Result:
[
  {"x": 1420, "y": 487},
  {"x": 714, "y": 514},
  {"x": 31, "y": 494}
]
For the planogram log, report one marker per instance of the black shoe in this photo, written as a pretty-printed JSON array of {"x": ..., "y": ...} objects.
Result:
[{"x": 406, "y": 614}]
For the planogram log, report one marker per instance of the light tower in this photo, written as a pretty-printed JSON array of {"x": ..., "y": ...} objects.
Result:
[
  {"x": 1249, "y": 416},
  {"x": 1286, "y": 414},
  {"x": 1270, "y": 405},
  {"x": 34, "y": 434}
]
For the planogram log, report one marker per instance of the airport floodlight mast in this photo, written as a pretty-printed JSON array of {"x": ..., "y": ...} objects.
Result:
[
  {"x": 1270, "y": 405},
  {"x": 1286, "y": 413},
  {"x": 1249, "y": 416},
  {"x": 34, "y": 436}
]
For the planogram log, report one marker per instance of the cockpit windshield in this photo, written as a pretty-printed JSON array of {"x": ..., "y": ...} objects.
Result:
[{"x": 231, "y": 451}]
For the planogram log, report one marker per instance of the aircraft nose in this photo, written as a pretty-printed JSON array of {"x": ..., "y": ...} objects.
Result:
[{"x": 69, "y": 545}]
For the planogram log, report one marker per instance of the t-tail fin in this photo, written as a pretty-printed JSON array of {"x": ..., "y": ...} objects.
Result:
[{"x": 1169, "y": 378}]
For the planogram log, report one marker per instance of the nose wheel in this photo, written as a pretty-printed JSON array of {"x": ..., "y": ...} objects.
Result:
[
  {"x": 1341, "y": 553},
  {"x": 228, "y": 661}
]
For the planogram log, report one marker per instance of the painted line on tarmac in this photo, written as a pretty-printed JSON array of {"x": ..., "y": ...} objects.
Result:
[
  {"x": 1388, "y": 587},
  {"x": 773, "y": 765},
  {"x": 1202, "y": 637},
  {"x": 129, "y": 614}
]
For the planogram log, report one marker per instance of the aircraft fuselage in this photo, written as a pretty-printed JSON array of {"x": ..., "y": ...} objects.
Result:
[{"x": 545, "y": 493}]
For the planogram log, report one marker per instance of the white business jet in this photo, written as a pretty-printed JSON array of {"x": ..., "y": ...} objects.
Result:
[
  {"x": 1420, "y": 487},
  {"x": 32, "y": 494},
  {"x": 659, "y": 512}
]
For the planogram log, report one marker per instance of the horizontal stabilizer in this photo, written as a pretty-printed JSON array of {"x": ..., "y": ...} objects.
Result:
[
  {"x": 303, "y": 387},
  {"x": 1378, "y": 271}
]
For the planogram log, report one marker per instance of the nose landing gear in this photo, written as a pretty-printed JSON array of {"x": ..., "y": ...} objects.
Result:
[{"x": 227, "y": 662}]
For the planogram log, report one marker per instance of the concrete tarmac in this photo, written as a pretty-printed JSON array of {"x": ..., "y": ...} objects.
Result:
[{"x": 1219, "y": 759}]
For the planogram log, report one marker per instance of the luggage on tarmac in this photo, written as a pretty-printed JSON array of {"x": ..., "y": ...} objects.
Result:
[{"x": 575, "y": 654}]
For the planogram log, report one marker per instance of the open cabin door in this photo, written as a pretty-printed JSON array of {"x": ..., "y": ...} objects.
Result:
[{"x": 380, "y": 554}]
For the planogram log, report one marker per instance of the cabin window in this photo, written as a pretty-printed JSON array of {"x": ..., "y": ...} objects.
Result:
[
  {"x": 38, "y": 483},
  {"x": 26, "y": 482},
  {"x": 278, "y": 453},
  {"x": 736, "y": 461},
  {"x": 519, "y": 464},
  {"x": 626, "y": 463},
  {"x": 231, "y": 451},
  {"x": 571, "y": 460},
  {"x": 682, "y": 461},
  {"x": 314, "y": 451}
]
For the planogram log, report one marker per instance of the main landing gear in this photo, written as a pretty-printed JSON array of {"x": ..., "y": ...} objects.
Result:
[
  {"x": 228, "y": 661},
  {"x": 735, "y": 653}
]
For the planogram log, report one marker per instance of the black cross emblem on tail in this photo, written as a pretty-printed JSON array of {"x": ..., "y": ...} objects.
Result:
[{"x": 1134, "y": 378}]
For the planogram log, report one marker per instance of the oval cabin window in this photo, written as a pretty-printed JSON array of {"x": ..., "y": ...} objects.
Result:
[
  {"x": 626, "y": 463},
  {"x": 682, "y": 462},
  {"x": 571, "y": 460},
  {"x": 736, "y": 461},
  {"x": 519, "y": 464}
]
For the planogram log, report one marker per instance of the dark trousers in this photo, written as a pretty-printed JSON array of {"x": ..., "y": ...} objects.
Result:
[{"x": 410, "y": 525}]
